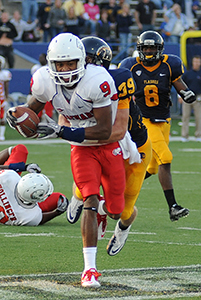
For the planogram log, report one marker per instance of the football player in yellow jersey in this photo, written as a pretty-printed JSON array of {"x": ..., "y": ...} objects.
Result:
[
  {"x": 99, "y": 53},
  {"x": 154, "y": 75}
]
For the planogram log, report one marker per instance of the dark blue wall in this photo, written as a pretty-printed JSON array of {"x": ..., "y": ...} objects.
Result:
[
  {"x": 31, "y": 49},
  {"x": 20, "y": 81},
  {"x": 21, "y": 77}
]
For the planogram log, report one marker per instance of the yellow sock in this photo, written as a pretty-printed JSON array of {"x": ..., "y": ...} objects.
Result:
[{"x": 78, "y": 194}]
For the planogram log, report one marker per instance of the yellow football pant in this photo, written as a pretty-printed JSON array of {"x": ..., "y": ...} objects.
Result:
[
  {"x": 135, "y": 174},
  {"x": 159, "y": 134}
]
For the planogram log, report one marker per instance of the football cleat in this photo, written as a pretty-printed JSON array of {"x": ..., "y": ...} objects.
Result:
[
  {"x": 102, "y": 225},
  {"x": 118, "y": 240},
  {"x": 177, "y": 212},
  {"x": 74, "y": 210},
  {"x": 90, "y": 278}
]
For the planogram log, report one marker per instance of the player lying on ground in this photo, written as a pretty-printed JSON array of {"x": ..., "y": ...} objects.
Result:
[{"x": 27, "y": 200}]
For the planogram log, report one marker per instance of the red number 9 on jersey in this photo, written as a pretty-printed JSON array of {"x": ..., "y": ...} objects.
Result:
[{"x": 105, "y": 88}]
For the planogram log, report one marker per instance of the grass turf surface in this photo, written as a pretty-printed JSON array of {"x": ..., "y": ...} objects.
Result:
[{"x": 161, "y": 259}]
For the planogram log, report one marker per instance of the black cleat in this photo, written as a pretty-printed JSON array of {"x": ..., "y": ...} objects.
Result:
[{"x": 177, "y": 212}]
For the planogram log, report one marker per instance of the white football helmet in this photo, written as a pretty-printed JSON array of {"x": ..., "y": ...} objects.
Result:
[
  {"x": 3, "y": 61},
  {"x": 65, "y": 47},
  {"x": 34, "y": 188}
]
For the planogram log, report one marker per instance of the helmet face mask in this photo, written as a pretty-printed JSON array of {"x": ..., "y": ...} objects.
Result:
[
  {"x": 67, "y": 78},
  {"x": 33, "y": 188},
  {"x": 66, "y": 47},
  {"x": 98, "y": 51},
  {"x": 153, "y": 42}
]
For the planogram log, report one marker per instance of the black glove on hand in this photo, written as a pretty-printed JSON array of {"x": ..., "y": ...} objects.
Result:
[{"x": 188, "y": 96}]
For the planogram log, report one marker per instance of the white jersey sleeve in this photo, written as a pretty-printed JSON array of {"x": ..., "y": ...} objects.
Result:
[
  {"x": 11, "y": 212},
  {"x": 42, "y": 86},
  {"x": 5, "y": 75}
]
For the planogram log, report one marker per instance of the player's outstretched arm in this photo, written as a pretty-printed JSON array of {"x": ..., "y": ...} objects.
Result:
[
  {"x": 182, "y": 89},
  {"x": 21, "y": 167},
  {"x": 62, "y": 205}
]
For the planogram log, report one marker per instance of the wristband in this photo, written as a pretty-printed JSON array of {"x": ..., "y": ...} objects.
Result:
[
  {"x": 18, "y": 167},
  {"x": 72, "y": 134}
]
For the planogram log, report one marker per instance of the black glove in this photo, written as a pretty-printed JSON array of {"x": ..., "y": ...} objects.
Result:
[
  {"x": 48, "y": 130},
  {"x": 188, "y": 96},
  {"x": 12, "y": 121},
  {"x": 62, "y": 204}
]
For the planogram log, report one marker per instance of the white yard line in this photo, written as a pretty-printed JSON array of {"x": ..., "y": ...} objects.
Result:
[{"x": 153, "y": 283}]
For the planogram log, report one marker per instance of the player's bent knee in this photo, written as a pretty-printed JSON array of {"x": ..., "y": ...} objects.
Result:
[
  {"x": 114, "y": 216},
  {"x": 21, "y": 148}
]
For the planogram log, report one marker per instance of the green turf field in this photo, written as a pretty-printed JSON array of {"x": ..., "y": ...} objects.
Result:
[{"x": 161, "y": 259}]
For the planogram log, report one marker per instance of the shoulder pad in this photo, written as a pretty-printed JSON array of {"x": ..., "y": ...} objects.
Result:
[{"x": 128, "y": 62}]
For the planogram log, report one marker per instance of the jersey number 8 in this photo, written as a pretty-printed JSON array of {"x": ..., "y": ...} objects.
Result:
[{"x": 151, "y": 95}]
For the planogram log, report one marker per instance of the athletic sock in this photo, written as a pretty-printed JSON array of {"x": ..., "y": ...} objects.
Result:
[
  {"x": 121, "y": 226},
  {"x": 2, "y": 132},
  {"x": 170, "y": 198},
  {"x": 89, "y": 258}
]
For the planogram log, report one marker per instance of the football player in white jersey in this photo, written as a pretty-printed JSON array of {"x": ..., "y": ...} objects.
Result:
[
  {"x": 86, "y": 96},
  {"x": 99, "y": 53},
  {"x": 27, "y": 200}
]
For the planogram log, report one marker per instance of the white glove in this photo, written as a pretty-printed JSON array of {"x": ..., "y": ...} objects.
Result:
[
  {"x": 188, "y": 96},
  {"x": 12, "y": 121},
  {"x": 33, "y": 168},
  {"x": 129, "y": 149},
  {"x": 135, "y": 156},
  {"x": 47, "y": 130},
  {"x": 62, "y": 204}
]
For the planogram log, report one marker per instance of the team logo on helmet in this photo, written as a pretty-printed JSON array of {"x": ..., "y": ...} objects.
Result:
[{"x": 104, "y": 52}]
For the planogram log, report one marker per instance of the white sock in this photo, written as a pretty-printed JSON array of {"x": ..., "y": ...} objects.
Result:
[
  {"x": 100, "y": 208},
  {"x": 2, "y": 131},
  {"x": 89, "y": 258}
]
